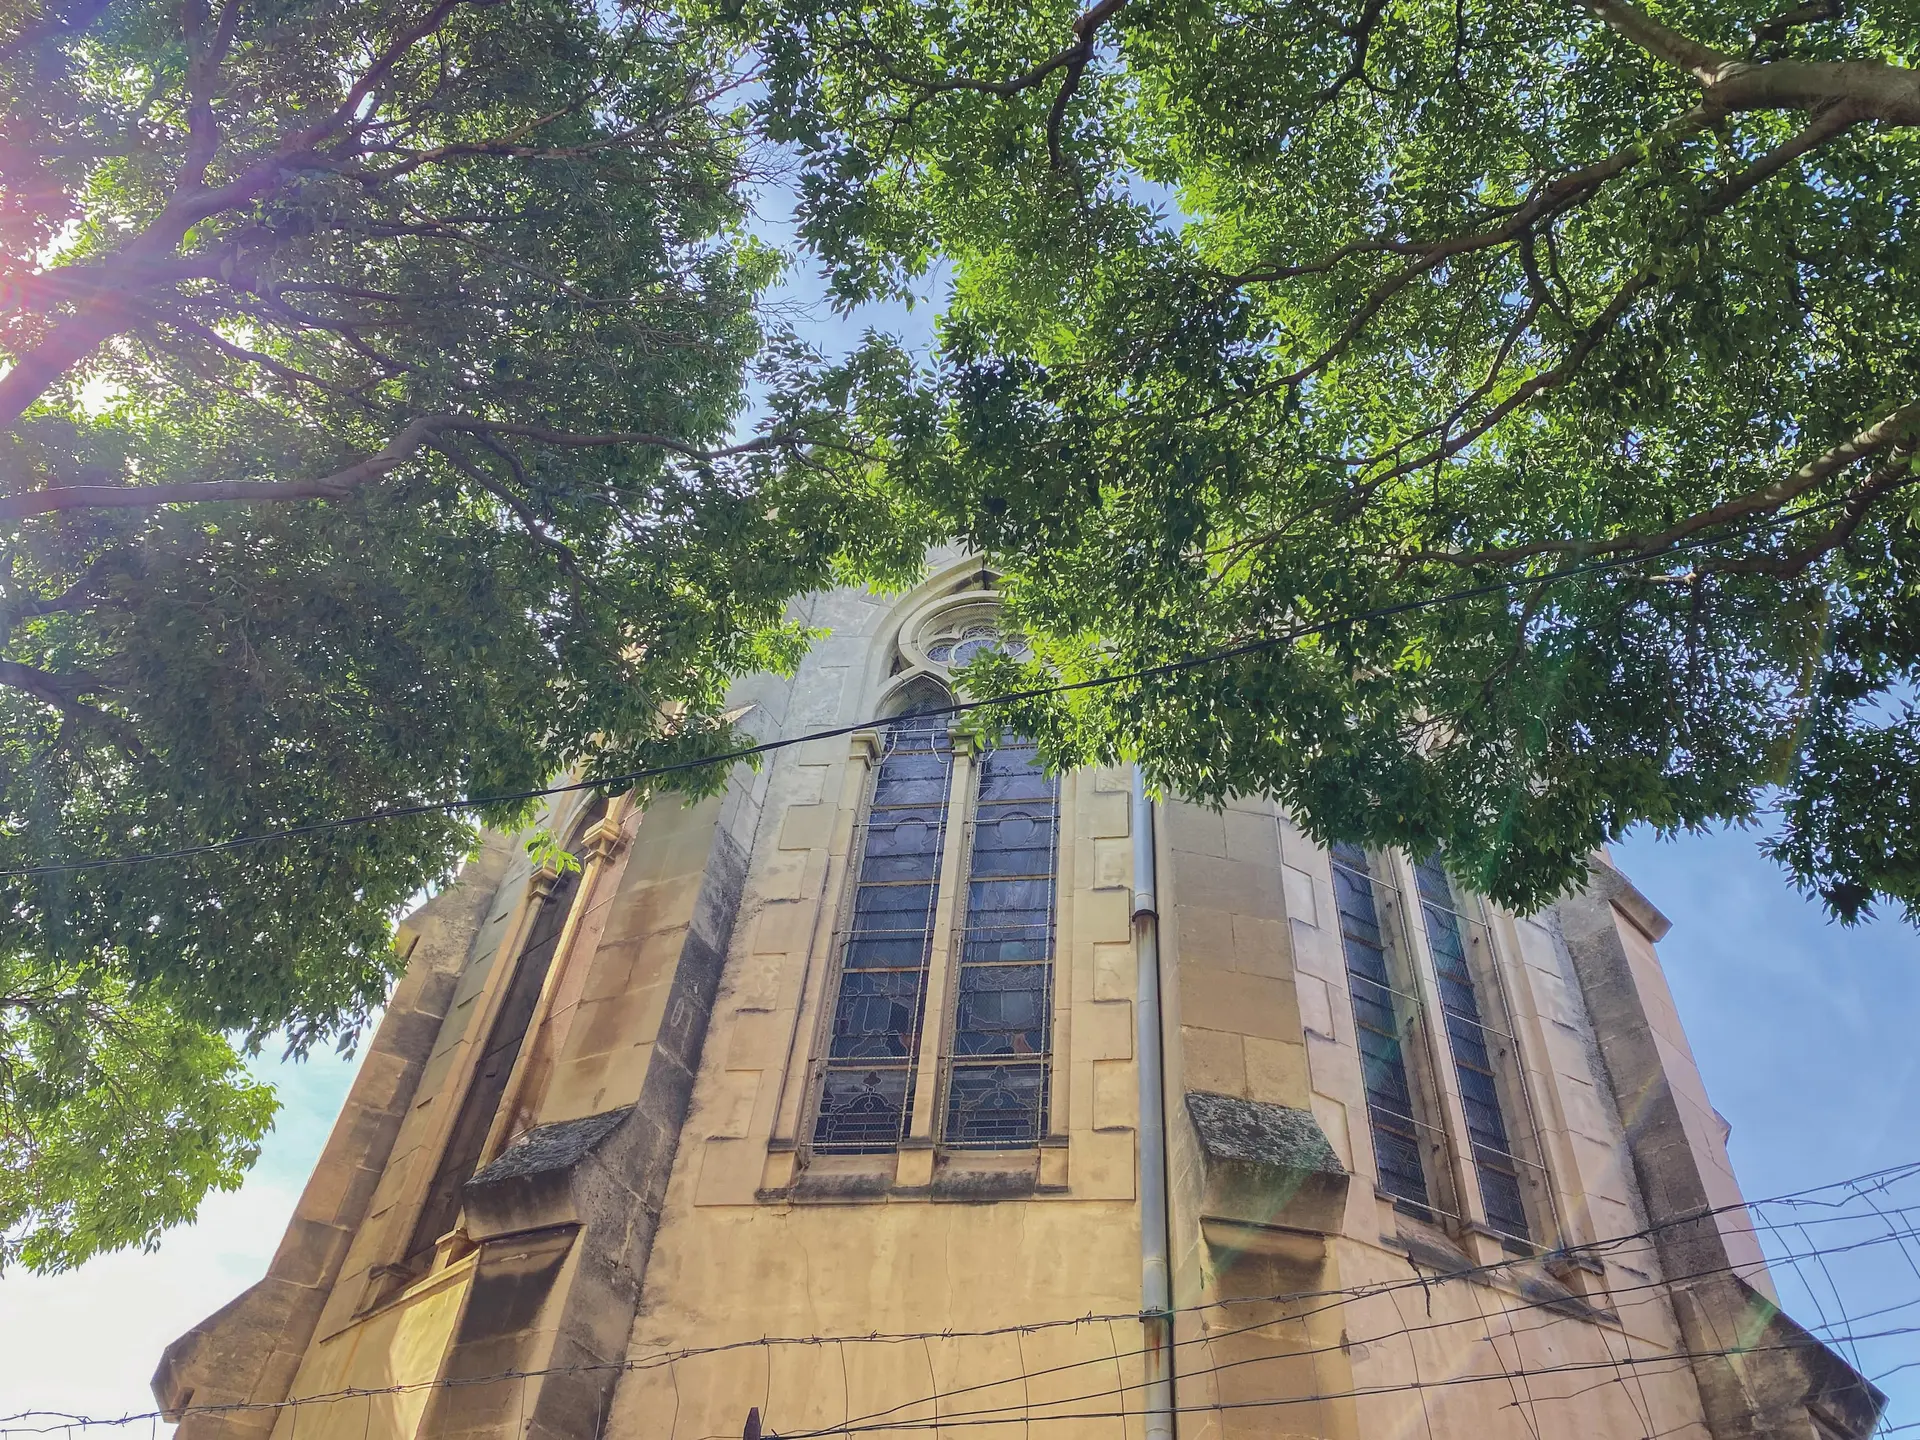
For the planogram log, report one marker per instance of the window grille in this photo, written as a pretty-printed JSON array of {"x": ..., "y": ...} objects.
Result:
[
  {"x": 874, "y": 1043},
  {"x": 1396, "y": 1145},
  {"x": 1003, "y": 1021},
  {"x": 1493, "y": 1160}
]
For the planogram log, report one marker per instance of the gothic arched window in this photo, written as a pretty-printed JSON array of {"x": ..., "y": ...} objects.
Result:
[
  {"x": 993, "y": 1004},
  {"x": 873, "y": 1042},
  {"x": 1379, "y": 1031},
  {"x": 1494, "y": 1163}
]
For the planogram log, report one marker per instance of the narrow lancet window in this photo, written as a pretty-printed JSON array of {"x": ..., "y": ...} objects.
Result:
[
  {"x": 467, "y": 1140},
  {"x": 866, "y": 1096},
  {"x": 1003, "y": 1020},
  {"x": 1396, "y": 1144},
  {"x": 1493, "y": 1160}
]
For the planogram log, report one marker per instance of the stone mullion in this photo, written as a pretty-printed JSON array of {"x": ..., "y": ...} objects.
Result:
[
  {"x": 1060, "y": 973},
  {"x": 949, "y": 917}
]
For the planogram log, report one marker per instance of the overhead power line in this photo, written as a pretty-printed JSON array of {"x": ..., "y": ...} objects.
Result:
[
  {"x": 615, "y": 783},
  {"x": 1842, "y": 1193},
  {"x": 1010, "y": 1414},
  {"x": 1024, "y": 1414},
  {"x": 1551, "y": 1307}
]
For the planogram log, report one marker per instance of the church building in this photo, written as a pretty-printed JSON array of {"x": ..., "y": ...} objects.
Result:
[{"x": 904, "y": 1089}]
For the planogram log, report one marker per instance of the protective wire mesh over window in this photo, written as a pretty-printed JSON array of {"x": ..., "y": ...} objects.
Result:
[
  {"x": 1396, "y": 1142},
  {"x": 874, "y": 1043},
  {"x": 1493, "y": 1158},
  {"x": 1003, "y": 1017}
]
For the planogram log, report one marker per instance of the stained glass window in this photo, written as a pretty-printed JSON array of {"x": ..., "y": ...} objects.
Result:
[
  {"x": 1003, "y": 1013},
  {"x": 1493, "y": 1160},
  {"x": 874, "y": 1041},
  {"x": 1396, "y": 1143}
]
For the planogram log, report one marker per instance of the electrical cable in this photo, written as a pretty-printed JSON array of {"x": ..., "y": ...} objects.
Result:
[
  {"x": 1574, "y": 1367},
  {"x": 1881, "y": 1179},
  {"x": 612, "y": 783},
  {"x": 69, "y": 1420},
  {"x": 1405, "y": 1330}
]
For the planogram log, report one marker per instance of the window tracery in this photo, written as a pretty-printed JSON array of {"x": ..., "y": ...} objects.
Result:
[{"x": 995, "y": 1016}]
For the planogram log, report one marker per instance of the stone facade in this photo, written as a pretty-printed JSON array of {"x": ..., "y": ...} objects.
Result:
[{"x": 650, "y": 1238}]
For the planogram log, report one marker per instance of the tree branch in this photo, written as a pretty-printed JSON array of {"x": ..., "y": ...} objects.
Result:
[
  {"x": 1896, "y": 474},
  {"x": 1073, "y": 59},
  {"x": 1086, "y": 28},
  {"x": 1683, "y": 52},
  {"x": 1812, "y": 13},
  {"x": 1875, "y": 89},
  {"x": 779, "y": 440},
  {"x": 139, "y": 497},
  {"x": 1361, "y": 33},
  {"x": 73, "y": 339},
  {"x": 406, "y": 442},
  {"x": 1891, "y": 429},
  {"x": 63, "y": 693}
]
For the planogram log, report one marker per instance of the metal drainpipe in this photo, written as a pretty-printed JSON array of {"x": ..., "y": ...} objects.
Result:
[{"x": 1156, "y": 1314}]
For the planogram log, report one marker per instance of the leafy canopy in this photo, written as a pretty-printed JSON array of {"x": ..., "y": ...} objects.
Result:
[
  {"x": 1265, "y": 314},
  {"x": 368, "y": 373}
]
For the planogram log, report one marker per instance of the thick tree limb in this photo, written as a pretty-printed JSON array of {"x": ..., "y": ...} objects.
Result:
[
  {"x": 1683, "y": 52},
  {"x": 139, "y": 497},
  {"x": 1876, "y": 90},
  {"x": 63, "y": 693},
  {"x": 1896, "y": 474},
  {"x": 405, "y": 443},
  {"x": 1892, "y": 429}
]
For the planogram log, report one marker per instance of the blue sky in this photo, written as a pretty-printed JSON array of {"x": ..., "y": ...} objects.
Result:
[{"x": 1805, "y": 1033}]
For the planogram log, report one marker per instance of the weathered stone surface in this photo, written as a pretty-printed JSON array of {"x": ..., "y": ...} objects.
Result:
[
  {"x": 603, "y": 1243},
  {"x": 1252, "y": 1133},
  {"x": 223, "y": 1360},
  {"x": 1776, "y": 1389},
  {"x": 1266, "y": 1164}
]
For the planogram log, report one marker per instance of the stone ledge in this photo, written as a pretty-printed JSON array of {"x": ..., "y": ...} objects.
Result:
[
  {"x": 1612, "y": 885},
  {"x": 1266, "y": 1164},
  {"x": 533, "y": 1185}
]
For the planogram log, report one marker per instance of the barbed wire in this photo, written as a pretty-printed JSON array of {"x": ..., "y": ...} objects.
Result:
[
  {"x": 1859, "y": 1188},
  {"x": 1001, "y": 1417},
  {"x": 1556, "y": 1304}
]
